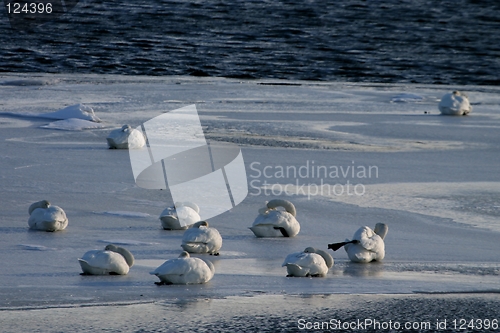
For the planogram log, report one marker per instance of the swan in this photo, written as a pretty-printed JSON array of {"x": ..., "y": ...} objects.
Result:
[
  {"x": 180, "y": 216},
  {"x": 114, "y": 260},
  {"x": 202, "y": 239},
  {"x": 366, "y": 245},
  {"x": 311, "y": 262},
  {"x": 45, "y": 217},
  {"x": 184, "y": 270},
  {"x": 276, "y": 223},
  {"x": 455, "y": 104},
  {"x": 125, "y": 138}
]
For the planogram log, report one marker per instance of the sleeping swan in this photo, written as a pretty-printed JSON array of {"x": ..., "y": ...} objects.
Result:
[
  {"x": 180, "y": 216},
  {"x": 114, "y": 260},
  {"x": 125, "y": 138},
  {"x": 45, "y": 217},
  {"x": 276, "y": 223},
  {"x": 366, "y": 245},
  {"x": 311, "y": 262},
  {"x": 455, "y": 104},
  {"x": 202, "y": 239},
  {"x": 184, "y": 270}
]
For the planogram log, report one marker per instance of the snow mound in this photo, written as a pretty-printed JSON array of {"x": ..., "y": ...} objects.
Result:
[
  {"x": 33, "y": 247},
  {"x": 72, "y": 124},
  {"x": 78, "y": 111},
  {"x": 406, "y": 98}
]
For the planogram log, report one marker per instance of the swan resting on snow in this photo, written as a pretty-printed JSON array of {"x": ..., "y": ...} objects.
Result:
[
  {"x": 272, "y": 222},
  {"x": 312, "y": 262},
  {"x": 202, "y": 239},
  {"x": 180, "y": 216},
  {"x": 366, "y": 245},
  {"x": 184, "y": 270},
  {"x": 45, "y": 217},
  {"x": 114, "y": 260},
  {"x": 455, "y": 104},
  {"x": 126, "y": 138}
]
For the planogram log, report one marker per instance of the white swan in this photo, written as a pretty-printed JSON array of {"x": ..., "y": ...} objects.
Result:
[
  {"x": 366, "y": 245},
  {"x": 272, "y": 222},
  {"x": 311, "y": 262},
  {"x": 126, "y": 138},
  {"x": 455, "y": 104},
  {"x": 45, "y": 217},
  {"x": 114, "y": 260},
  {"x": 184, "y": 270},
  {"x": 202, "y": 239},
  {"x": 180, "y": 216}
]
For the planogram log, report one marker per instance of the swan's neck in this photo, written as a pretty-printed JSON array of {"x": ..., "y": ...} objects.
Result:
[
  {"x": 129, "y": 257},
  {"x": 381, "y": 229}
]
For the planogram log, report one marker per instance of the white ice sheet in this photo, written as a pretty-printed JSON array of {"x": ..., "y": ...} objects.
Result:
[{"x": 436, "y": 188}]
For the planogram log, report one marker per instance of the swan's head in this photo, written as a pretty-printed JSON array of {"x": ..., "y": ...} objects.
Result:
[
  {"x": 129, "y": 257},
  {"x": 264, "y": 210},
  {"x": 310, "y": 250},
  {"x": 200, "y": 224},
  {"x": 184, "y": 254},
  {"x": 39, "y": 204},
  {"x": 459, "y": 93},
  {"x": 126, "y": 128},
  {"x": 381, "y": 229}
]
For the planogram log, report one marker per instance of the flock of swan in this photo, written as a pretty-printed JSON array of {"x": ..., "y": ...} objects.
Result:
[
  {"x": 455, "y": 103},
  {"x": 276, "y": 219}
]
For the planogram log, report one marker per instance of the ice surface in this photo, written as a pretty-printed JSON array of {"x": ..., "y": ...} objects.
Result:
[
  {"x": 436, "y": 186},
  {"x": 128, "y": 214},
  {"x": 406, "y": 98}
]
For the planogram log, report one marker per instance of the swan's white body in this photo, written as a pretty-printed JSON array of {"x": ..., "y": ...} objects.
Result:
[
  {"x": 455, "y": 104},
  {"x": 112, "y": 260},
  {"x": 126, "y": 138},
  {"x": 180, "y": 216},
  {"x": 184, "y": 270},
  {"x": 45, "y": 217},
  {"x": 370, "y": 244},
  {"x": 311, "y": 262},
  {"x": 276, "y": 223},
  {"x": 202, "y": 239}
]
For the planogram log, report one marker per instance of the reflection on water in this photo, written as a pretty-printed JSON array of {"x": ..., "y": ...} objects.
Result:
[{"x": 364, "y": 270}]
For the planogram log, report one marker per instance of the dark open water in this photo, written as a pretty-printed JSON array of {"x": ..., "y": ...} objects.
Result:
[{"x": 423, "y": 41}]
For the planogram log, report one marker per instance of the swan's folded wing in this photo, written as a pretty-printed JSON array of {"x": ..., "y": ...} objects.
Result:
[
  {"x": 104, "y": 259},
  {"x": 201, "y": 235},
  {"x": 177, "y": 266},
  {"x": 292, "y": 258},
  {"x": 196, "y": 235},
  {"x": 374, "y": 243}
]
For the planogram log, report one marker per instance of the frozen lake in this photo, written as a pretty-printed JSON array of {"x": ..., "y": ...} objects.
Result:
[{"x": 434, "y": 180}]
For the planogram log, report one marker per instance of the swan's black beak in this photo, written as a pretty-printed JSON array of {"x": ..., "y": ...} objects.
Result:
[{"x": 336, "y": 246}]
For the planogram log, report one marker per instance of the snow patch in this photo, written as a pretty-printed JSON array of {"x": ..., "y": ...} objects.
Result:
[{"x": 72, "y": 124}]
